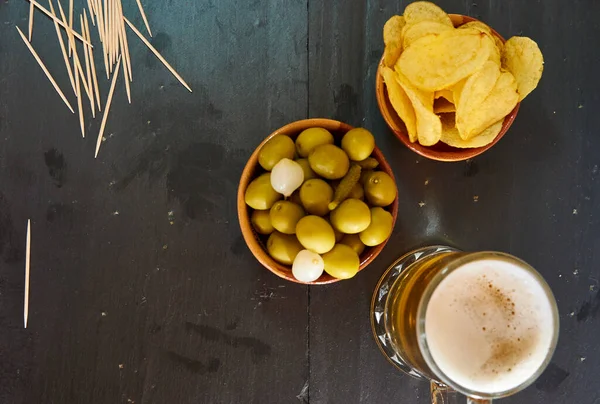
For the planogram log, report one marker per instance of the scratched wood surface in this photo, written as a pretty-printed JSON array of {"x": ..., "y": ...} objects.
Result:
[{"x": 142, "y": 289}]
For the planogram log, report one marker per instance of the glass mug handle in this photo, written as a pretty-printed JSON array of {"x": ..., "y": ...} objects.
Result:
[{"x": 441, "y": 394}]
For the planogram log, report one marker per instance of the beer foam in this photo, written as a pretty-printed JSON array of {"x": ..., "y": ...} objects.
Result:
[{"x": 489, "y": 326}]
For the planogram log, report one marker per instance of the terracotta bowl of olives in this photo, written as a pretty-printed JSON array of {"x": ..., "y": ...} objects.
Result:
[{"x": 317, "y": 201}]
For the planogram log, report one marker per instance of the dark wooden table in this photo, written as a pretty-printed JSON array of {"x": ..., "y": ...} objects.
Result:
[{"x": 142, "y": 289}]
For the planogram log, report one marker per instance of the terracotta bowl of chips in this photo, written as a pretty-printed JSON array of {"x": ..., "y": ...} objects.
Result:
[
  {"x": 257, "y": 243},
  {"x": 440, "y": 151}
]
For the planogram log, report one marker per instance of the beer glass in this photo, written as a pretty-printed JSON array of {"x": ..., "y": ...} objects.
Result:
[{"x": 482, "y": 324}]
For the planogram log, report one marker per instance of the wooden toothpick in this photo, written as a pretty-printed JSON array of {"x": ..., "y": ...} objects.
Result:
[
  {"x": 65, "y": 26},
  {"x": 37, "y": 58},
  {"x": 71, "y": 44},
  {"x": 92, "y": 11},
  {"x": 139, "y": 3},
  {"x": 70, "y": 37},
  {"x": 27, "y": 263},
  {"x": 125, "y": 73},
  {"x": 93, "y": 65},
  {"x": 31, "y": 10},
  {"x": 79, "y": 67},
  {"x": 88, "y": 69},
  {"x": 75, "y": 56},
  {"x": 123, "y": 33},
  {"x": 102, "y": 34},
  {"x": 63, "y": 49},
  {"x": 158, "y": 55},
  {"x": 107, "y": 106},
  {"x": 79, "y": 75}
]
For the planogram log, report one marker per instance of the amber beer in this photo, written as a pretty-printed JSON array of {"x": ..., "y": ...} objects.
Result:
[{"x": 485, "y": 324}]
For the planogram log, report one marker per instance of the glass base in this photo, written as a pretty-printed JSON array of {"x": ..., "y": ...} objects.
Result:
[{"x": 379, "y": 299}]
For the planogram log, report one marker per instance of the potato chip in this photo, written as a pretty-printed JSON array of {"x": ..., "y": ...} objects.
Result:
[
  {"x": 391, "y": 54},
  {"x": 442, "y": 105},
  {"x": 501, "y": 100},
  {"x": 429, "y": 127},
  {"x": 475, "y": 90},
  {"x": 457, "y": 90},
  {"x": 400, "y": 102},
  {"x": 451, "y": 137},
  {"x": 478, "y": 25},
  {"x": 392, "y": 38},
  {"x": 446, "y": 93},
  {"x": 495, "y": 56},
  {"x": 412, "y": 32},
  {"x": 437, "y": 62},
  {"x": 522, "y": 57},
  {"x": 392, "y": 30},
  {"x": 425, "y": 11}
]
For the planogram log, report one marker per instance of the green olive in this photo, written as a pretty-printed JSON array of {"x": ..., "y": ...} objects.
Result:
[
  {"x": 283, "y": 248},
  {"x": 329, "y": 161},
  {"x": 358, "y": 143},
  {"x": 285, "y": 215},
  {"x": 353, "y": 241},
  {"x": 308, "y": 172},
  {"x": 315, "y": 195},
  {"x": 351, "y": 217},
  {"x": 380, "y": 189},
  {"x": 310, "y": 138},
  {"x": 341, "y": 262},
  {"x": 260, "y": 195},
  {"x": 315, "y": 234},
  {"x": 380, "y": 228},
  {"x": 277, "y": 148},
  {"x": 261, "y": 222}
]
